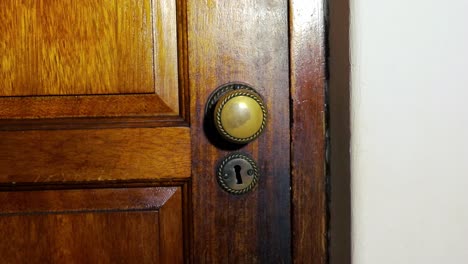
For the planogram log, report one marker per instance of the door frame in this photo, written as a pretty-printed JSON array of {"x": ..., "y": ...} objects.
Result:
[{"x": 307, "y": 27}]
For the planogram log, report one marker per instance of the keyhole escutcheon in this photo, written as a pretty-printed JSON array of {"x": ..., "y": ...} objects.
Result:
[{"x": 237, "y": 173}]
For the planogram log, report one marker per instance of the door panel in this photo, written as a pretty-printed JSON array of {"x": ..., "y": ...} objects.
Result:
[
  {"x": 99, "y": 48},
  {"x": 99, "y": 237},
  {"x": 132, "y": 225},
  {"x": 106, "y": 59}
]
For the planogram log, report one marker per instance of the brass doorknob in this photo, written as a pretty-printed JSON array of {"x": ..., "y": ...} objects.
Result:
[{"x": 240, "y": 115}]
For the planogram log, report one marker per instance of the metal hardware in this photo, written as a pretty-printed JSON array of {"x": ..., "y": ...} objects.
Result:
[
  {"x": 238, "y": 174},
  {"x": 239, "y": 112}
]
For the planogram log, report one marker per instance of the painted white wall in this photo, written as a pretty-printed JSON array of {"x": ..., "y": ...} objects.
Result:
[{"x": 409, "y": 126}]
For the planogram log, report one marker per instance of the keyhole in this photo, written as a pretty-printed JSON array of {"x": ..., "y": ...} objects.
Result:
[{"x": 237, "y": 168}]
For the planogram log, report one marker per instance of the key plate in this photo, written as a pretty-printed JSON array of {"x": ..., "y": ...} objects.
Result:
[{"x": 238, "y": 174}]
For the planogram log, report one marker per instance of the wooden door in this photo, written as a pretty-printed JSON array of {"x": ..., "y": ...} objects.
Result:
[{"x": 105, "y": 155}]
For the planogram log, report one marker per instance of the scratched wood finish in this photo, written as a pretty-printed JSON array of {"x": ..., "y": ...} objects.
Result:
[
  {"x": 76, "y": 47},
  {"x": 94, "y": 155},
  {"x": 135, "y": 225},
  {"x": 307, "y": 45},
  {"x": 99, "y": 59},
  {"x": 243, "y": 41}
]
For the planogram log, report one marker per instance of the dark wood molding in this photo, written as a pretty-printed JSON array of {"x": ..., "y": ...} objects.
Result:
[
  {"x": 308, "y": 131},
  {"x": 93, "y": 123}
]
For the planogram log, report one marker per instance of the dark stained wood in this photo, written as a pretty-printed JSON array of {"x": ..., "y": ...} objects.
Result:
[
  {"x": 135, "y": 225},
  {"x": 92, "y": 123},
  {"x": 94, "y": 155},
  {"x": 307, "y": 44},
  {"x": 244, "y": 41}
]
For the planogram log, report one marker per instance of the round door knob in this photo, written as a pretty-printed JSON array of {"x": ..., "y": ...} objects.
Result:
[{"x": 240, "y": 116}]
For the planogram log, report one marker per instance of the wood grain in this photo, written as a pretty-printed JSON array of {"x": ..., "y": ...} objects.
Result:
[
  {"x": 158, "y": 68},
  {"x": 171, "y": 230},
  {"x": 307, "y": 49},
  {"x": 244, "y": 41},
  {"x": 76, "y": 47},
  {"x": 94, "y": 155},
  {"x": 86, "y": 200},
  {"x": 168, "y": 30},
  {"x": 135, "y": 225},
  {"x": 83, "y": 106},
  {"x": 80, "y": 238}
]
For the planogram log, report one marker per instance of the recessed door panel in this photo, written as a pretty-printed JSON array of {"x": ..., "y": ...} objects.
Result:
[
  {"x": 91, "y": 59},
  {"x": 80, "y": 47},
  {"x": 119, "y": 225}
]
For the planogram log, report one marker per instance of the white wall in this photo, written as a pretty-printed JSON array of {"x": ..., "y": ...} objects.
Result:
[{"x": 409, "y": 131}]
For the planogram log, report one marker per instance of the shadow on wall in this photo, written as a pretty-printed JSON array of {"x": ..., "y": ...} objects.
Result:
[{"x": 339, "y": 124}]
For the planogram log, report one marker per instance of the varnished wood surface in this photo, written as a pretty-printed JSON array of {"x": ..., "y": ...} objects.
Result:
[
  {"x": 129, "y": 237},
  {"x": 95, "y": 59},
  {"x": 168, "y": 33},
  {"x": 134, "y": 225},
  {"x": 308, "y": 179},
  {"x": 93, "y": 123},
  {"x": 172, "y": 243},
  {"x": 244, "y": 41},
  {"x": 228, "y": 41},
  {"x": 76, "y": 47},
  {"x": 94, "y": 155},
  {"x": 83, "y": 106},
  {"x": 85, "y": 200}
]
